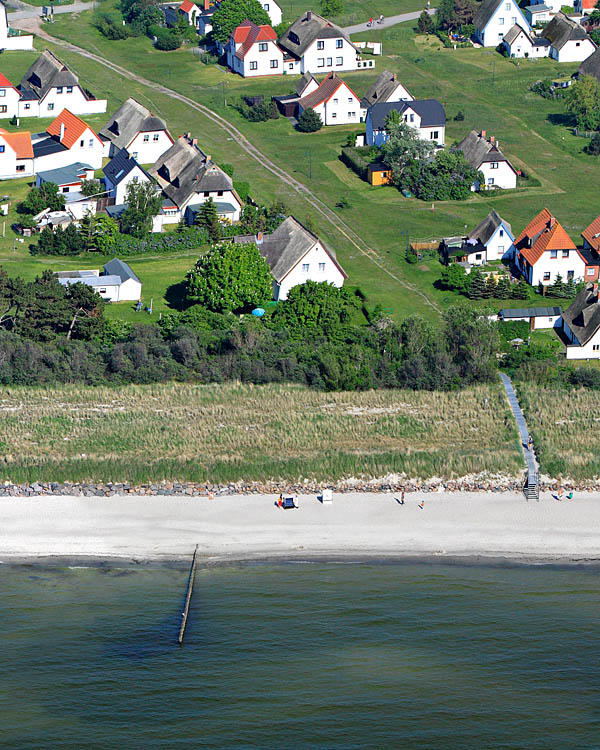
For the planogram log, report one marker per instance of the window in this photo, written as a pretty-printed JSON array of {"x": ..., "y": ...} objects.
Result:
[
  {"x": 339, "y": 60},
  {"x": 500, "y": 37},
  {"x": 65, "y": 189},
  {"x": 493, "y": 165},
  {"x": 411, "y": 118},
  {"x": 565, "y": 253},
  {"x": 135, "y": 154},
  {"x": 554, "y": 253},
  {"x": 351, "y": 114},
  {"x": 206, "y": 193},
  {"x": 514, "y": 20},
  {"x": 329, "y": 61},
  {"x": 155, "y": 137},
  {"x": 253, "y": 65},
  {"x": 339, "y": 43},
  {"x": 478, "y": 256},
  {"x": 321, "y": 267},
  {"x": 274, "y": 63},
  {"x": 91, "y": 143},
  {"x": 2, "y": 92},
  {"x": 290, "y": 66},
  {"x": 305, "y": 267},
  {"x": 596, "y": 347},
  {"x": 507, "y": 6},
  {"x": 433, "y": 136},
  {"x": 577, "y": 44},
  {"x": 266, "y": 7},
  {"x": 500, "y": 249},
  {"x": 546, "y": 275},
  {"x": 500, "y": 22},
  {"x": 570, "y": 275},
  {"x": 69, "y": 89},
  {"x": 59, "y": 89},
  {"x": 336, "y": 101},
  {"x": 146, "y": 138},
  {"x": 501, "y": 233},
  {"x": 81, "y": 143},
  {"x": 50, "y": 107},
  {"x": 263, "y": 46},
  {"x": 591, "y": 271},
  {"x": 490, "y": 180},
  {"x": 320, "y": 45},
  {"x": 20, "y": 167},
  {"x": 27, "y": 106},
  {"x": 320, "y": 62},
  {"x": 349, "y": 100},
  {"x": 2, "y": 149},
  {"x": 3, "y": 108},
  {"x": 219, "y": 193},
  {"x": 333, "y": 115}
]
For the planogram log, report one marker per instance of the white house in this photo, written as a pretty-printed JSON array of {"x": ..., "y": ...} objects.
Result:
[
  {"x": 314, "y": 44},
  {"x": 494, "y": 18},
  {"x": 12, "y": 39},
  {"x": 334, "y": 101},
  {"x": 190, "y": 11},
  {"x": 69, "y": 181},
  {"x": 10, "y": 97},
  {"x": 116, "y": 283},
  {"x": 253, "y": 51},
  {"x": 569, "y": 42},
  {"x": 387, "y": 88},
  {"x": 581, "y": 324},
  {"x": 544, "y": 250},
  {"x": 539, "y": 13},
  {"x": 537, "y": 317},
  {"x": 520, "y": 43},
  {"x": 584, "y": 7},
  {"x": 492, "y": 239},
  {"x": 67, "y": 140},
  {"x": 296, "y": 255},
  {"x": 273, "y": 10},
  {"x": 188, "y": 177},
  {"x": 135, "y": 128},
  {"x": 49, "y": 86},
  {"x": 485, "y": 156},
  {"x": 554, "y": 5},
  {"x": 427, "y": 116},
  {"x": 16, "y": 154},
  {"x": 119, "y": 172}
]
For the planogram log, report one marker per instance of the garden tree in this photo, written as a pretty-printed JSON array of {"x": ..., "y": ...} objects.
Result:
[
  {"x": 490, "y": 287},
  {"x": 464, "y": 12},
  {"x": 98, "y": 233},
  {"x": 402, "y": 148},
  {"x": 85, "y": 308},
  {"x": 309, "y": 121},
  {"x": 583, "y": 102},
  {"x": 570, "y": 289},
  {"x": 91, "y": 187},
  {"x": 503, "y": 288},
  {"x": 232, "y": 13},
  {"x": 520, "y": 290},
  {"x": 140, "y": 14},
  {"x": 425, "y": 24},
  {"x": 167, "y": 39},
  {"x": 330, "y": 8},
  {"x": 144, "y": 202},
  {"x": 230, "y": 277},
  {"x": 455, "y": 277},
  {"x": 472, "y": 343},
  {"x": 476, "y": 283},
  {"x": 593, "y": 146},
  {"x": 448, "y": 176},
  {"x": 208, "y": 217},
  {"x": 557, "y": 288},
  {"x": 37, "y": 199},
  {"x": 314, "y": 306}
]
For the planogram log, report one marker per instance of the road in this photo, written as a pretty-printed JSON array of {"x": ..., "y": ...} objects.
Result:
[
  {"x": 389, "y": 21},
  {"x": 31, "y": 11}
]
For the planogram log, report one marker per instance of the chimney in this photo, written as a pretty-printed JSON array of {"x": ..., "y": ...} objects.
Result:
[
  {"x": 395, "y": 77},
  {"x": 552, "y": 222},
  {"x": 492, "y": 139},
  {"x": 62, "y": 131},
  {"x": 483, "y": 133},
  {"x": 208, "y": 158},
  {"x": 259, "y": 238},
  {"x": 498, "y": 145},
  {"x": 206, "y": 4},
  {"x": 309, "y": 15}
]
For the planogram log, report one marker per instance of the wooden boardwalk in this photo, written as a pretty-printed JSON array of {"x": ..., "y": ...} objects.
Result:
[{"x": 532, "y": 488}]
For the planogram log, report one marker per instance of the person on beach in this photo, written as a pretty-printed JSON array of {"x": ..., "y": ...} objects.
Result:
[
  {"x": 421, "y": 504},
  {"x": 561, "y": 492},
  {"x": 280, "y": 501},
  {"x": 402, "y": 498},
  {"x": 530, "y": 443},
  {"x": 570, "y": 496}
]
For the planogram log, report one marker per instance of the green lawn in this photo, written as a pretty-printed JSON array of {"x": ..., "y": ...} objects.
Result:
[{"x": 492, "y": 92}]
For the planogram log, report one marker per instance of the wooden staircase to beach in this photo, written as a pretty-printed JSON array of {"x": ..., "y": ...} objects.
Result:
[{"x": 532, "y": 487}]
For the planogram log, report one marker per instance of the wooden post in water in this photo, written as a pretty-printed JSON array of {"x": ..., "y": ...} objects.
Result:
[{"x": 188, "y": 598}]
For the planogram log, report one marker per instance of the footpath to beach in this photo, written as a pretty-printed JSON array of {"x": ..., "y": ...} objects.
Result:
[{"x": 247, "y": 527}]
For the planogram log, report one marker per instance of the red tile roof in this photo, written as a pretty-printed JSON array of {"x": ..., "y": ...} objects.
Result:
[
  {"x": 19, "y": 142},
  {"x": 588, "y": 4},
  {"x": 247, "y": 33},
  {"x": 5, "y": 82},
  {"x": 186, "y": 6},
  {"x": 592, "y": 234},
  {"x": 542, "y": 233},
  {"x": 74, "y": 128},
  {"x": 326, "y": 90}
]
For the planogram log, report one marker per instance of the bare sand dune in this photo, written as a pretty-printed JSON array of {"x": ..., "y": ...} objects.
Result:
[{"x": 355, "y": 525}]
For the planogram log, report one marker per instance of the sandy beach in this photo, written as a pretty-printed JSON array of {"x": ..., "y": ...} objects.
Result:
[{"x": 247, "y": 527}]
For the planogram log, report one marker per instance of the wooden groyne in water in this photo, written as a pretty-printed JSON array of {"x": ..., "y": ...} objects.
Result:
[{"x": 188, "y": 598}]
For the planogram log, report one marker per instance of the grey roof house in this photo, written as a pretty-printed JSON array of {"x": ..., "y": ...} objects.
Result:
[
  {"x": 426, "y": 115},
  {"x": 116, "y": 283},
  {"x": 314, "y": 44},
  {"x": 484, "y": 155},
  {"x": 569, "y": 42},
  {"x": 132, "y": 127},
  {"x": 581, "y": 324},
  {"x": 387, "y": 88}
]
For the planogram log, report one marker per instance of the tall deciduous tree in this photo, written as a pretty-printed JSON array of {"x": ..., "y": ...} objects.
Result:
[
  {"x": 37, "y": 199},
  {"x": 331, "y": 8},
  {"x": 403, "y": 147},
  {"x": 232, "y": 13},
  {"x": 314, "y": 306},
  {"x": 144, "y": 202},
  {"x": 230, "y": 277},
  {"x": 583, "y": 102}
]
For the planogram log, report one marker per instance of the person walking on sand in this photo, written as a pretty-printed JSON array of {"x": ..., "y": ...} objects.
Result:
[
  {"x": 421, "y": 504},
  {"x": 402, "y": 498}
]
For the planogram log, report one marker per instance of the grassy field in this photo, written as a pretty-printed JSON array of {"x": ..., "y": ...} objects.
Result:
[
  {"x": 492, "y": 92},
  {"x": 564, "y": 425},
  {"x": 228, "y": 432}
]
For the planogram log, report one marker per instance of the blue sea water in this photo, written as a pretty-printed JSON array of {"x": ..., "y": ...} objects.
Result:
[{"x": 319, "y": 655}]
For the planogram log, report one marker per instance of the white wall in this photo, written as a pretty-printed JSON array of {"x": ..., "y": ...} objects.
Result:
[
  {"x": 9, "y": 163},
  {"x": 554, "y": 266},
  {"x": 590, "y": 351},
  {"x": 520, "y": 46},
  {"x": 86, "y": 153},
  {"x": 500, "y": 244},
  {"x": 507, "y": 14},
  {"x": 9, "y": 99},
  {"x": 273, "y": 10},
  {"x": 549, "y": 321},
  {"x": 130, "y": 290},
  {"x": 255, "y": 56},
  {"x": 119, "y": 191},
  {"x": 573, "y": 51},
  {"x": 227, "y": 197},
  {"x": 54, "y": 103},
  {"x": 327, "y": 59},
  {"x": 148, "y": 147},
  {"x": 503, "y": 177},
  {"x": 313, "y": 258},
  {"x": 429, "y": 134},
  {"x": 400, "y": 93},
  {"x": 343, "y": 108}
]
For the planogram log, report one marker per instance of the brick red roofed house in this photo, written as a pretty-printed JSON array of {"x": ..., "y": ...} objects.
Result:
[
  {"x": 10, "y": 97},
  {"x": 544, "y": 250},
  {"x": 585, "y": 7},
  {"x": 16, "y": 154},
  {"x": 191, "y": 11},
  {"x": 253, "y": 51},
  {"x": 334, "y": 101},
  {"x": 591, "y": 249},
  {"x": 67, "y": 140}
]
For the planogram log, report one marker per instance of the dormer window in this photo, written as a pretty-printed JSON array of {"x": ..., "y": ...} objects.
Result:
[
  {"x": 263, "y": 46},
  {"x": 565, "y": 253},
  {"x": 293, "y": 38}
]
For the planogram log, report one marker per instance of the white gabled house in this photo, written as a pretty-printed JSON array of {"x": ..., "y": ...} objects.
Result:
[
  {"x": 295, "y": 255},
  {"x": 494, "y": 18},
  {"x": 334, "y": 101},
  {"x": 492, "y": 239},
  {"x": 314, "y": 44},
  {"x": 67, "y": 140},
  {"x": 190, "y": 11},
  {"x": 569, "y": 42},
  {"x": 273, "y": 10},
  {"x": 387, "y": 88},
  {"x": 12, "y": 39},
  {"x": 119, "y": 172},
  {"x": 16, "y": 154},
  {"x": 116, "y": 283},
  {"x": 538, "y": 13},
  {"x": 520, "y": 43},
  {"x": 427, "y": 116},
  {"x": 253, "y": 51},
  {"x": 485, "y": 156},
  {"x": 145, "y": 136},
  {"x": 69, "y": 181},
  {"x": 544, "y": 250},
  {"x": 581, "y": 324},
  {"x": 10, "y": 97}
]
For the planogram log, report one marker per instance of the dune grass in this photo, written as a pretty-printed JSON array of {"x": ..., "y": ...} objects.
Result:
[
  {"x": 221, "y": 433},
  {"x": 565, "y": 429}
]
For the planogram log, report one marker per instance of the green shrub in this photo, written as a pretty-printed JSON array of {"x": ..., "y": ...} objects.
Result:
[{"x": 353, "y": 159}]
